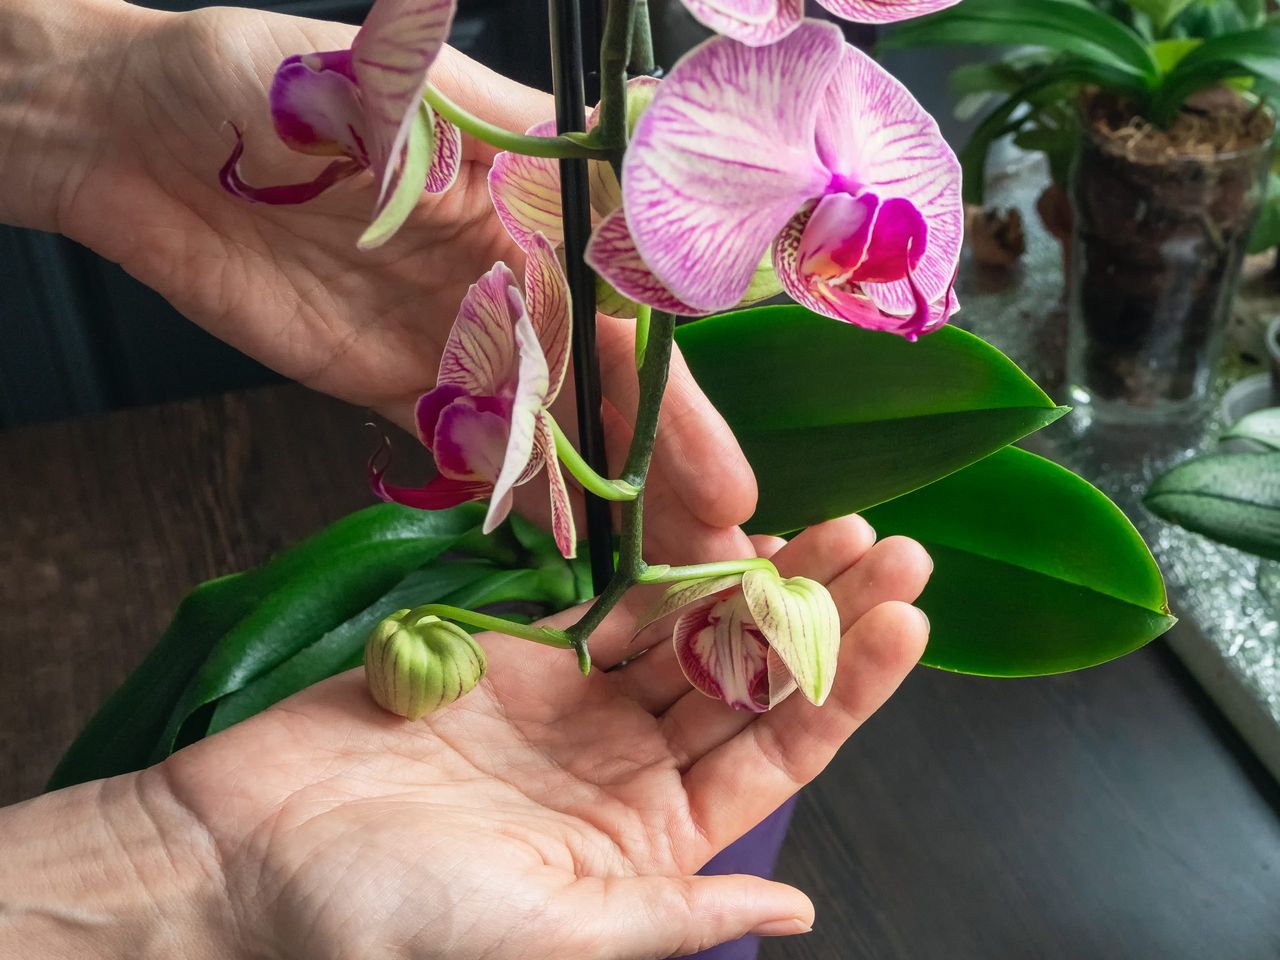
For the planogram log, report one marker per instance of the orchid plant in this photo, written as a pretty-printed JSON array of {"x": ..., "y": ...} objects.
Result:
[
  {"x": 774, "y": 157},
  {"x": 855, "y": 212}
]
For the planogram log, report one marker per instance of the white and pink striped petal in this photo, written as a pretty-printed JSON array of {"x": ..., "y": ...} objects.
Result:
[
  {"x": 875, "y": 137},
  {"x": 527, "y": 403},
  {"x": 884, "y": 11},
  {"x": 723, "y": 654},
  {"x": 799, "y": 620},
  {"x": 546, "y": 295},
  {"x": 729, "y": 19},
  {"x": 562, "y": 525},
  {"x": 723, "y": 158},
  {"x": 612, "y": 253},
  {"x": 391, "y": 55},
  {"x": 480, "y": 354}
]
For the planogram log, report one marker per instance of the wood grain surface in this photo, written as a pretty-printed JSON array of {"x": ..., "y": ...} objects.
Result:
[{"x": 1106, "y": 814}]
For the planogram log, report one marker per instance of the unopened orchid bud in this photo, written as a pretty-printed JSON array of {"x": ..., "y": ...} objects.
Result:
[{"x": 417, "y": 663}]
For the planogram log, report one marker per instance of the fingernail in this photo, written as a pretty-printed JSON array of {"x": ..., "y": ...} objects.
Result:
[
  {"x": 782, "y": 928},
  {"x": 923, "y": 616}
]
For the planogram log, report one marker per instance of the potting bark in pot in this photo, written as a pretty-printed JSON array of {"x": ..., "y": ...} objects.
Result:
[{"x": 1162, "y": 221}]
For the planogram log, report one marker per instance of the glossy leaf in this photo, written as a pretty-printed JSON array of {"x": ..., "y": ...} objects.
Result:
[
  {"x": 466, "y": 584},
  {"x": 123, "y": 734},
  {"x": 1248, "y": 53},
  {"x": 1036, "y": 571},
  {"x": 1161, "y": 12},
  {"x": 835, "y": 419},
  {"x": 1261, "y": 426},
  {"x": 1233, "y": 498},
  {"x": 1061, "y": 25},
  {"x": 349, "y": 575},
  {"x": 1266, "y": 233}
]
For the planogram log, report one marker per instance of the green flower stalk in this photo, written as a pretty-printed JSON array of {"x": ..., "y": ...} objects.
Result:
[{"x": 416, "y": 664}]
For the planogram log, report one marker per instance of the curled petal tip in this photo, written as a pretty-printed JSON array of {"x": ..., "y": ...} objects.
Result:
[
  {"x": 281, "y": 194},
  {"x": 439, "y": 493}
]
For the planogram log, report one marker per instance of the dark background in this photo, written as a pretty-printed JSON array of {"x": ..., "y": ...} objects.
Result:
[{"x": 79, "y": 336}]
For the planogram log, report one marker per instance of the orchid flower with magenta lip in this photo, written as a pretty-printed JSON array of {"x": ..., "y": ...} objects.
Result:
[
  {"x": 486, "y": 421},
  {"x": 526, "y": 195},
  {"x": 761, "y": 22},
  {"x": 808, "y": 149},
  {"x": 365, "y": 106},
  {"x": 753, "y": 639}
]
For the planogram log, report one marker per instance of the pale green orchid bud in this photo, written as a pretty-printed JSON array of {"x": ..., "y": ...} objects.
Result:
[{"x": 418, "y": 663}]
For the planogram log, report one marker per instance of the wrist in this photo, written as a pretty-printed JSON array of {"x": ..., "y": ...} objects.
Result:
[
  {"x": 112, "y": 869},
  {"x": 59, "y": 74}
]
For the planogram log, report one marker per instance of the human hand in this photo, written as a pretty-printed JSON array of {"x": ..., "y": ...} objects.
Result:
[
  {"x": 126, "y": 128},
  {"x": 543, "y": 815}
]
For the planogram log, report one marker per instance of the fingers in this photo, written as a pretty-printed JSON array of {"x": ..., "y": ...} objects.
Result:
[
  {"x": 895, "y": 569},
  {"x": 822, "y": 552},
  {"x": 697, "y": 451},
  {"x": 490, "y": 96},
  {"x": 657, "y": 917},
  {"x": 737, "y": 784}
]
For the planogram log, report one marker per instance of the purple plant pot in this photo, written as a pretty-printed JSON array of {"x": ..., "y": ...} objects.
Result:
[{"x": 756, "y": 853}]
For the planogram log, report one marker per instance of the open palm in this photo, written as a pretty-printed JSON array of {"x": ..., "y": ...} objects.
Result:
[
  {"x": 287, "y": 285},
  {"x": 545, "y": 815}
]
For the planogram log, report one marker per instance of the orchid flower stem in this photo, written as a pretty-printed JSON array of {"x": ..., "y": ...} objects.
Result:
[
  {"x": 661, "y": 573},
  {"x": 615, "y": 53},
  {"x": 631, "y": 565},
  {"x": 561, "y": 147},
  {"x": 549, "y": 636},
  {"x": 641, "y": 63},
  {"x": 643, "y": 315},
  {"x": 592, "y": 482}
]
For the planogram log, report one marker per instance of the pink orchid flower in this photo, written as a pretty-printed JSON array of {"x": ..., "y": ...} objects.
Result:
[
  {"x": 761, "y": 22},
  {"x": 753, "y": 639},
  {"x": 526, "y": 194},
  {"x": 486, "y": 420},
  {"x": 365, "y": 106},
  {"x": 806, "y": 148}
]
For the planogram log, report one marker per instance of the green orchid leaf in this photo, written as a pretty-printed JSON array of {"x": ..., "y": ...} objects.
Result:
[
  {"x": 1233, "y": 498},
  {"x": 1261, "y": 426},
  {"x": 1248, "y": 53},
  {"x": 1266, "y": 232},
  {"x": 1061, "y": 25},
  {"x": 347, "y": 577},
  {"x": 835, "y": 419},
  {"x": 1161, "y": 12},
  {"x": 468, "y": 584},
  {"x": 122, "y": 735},
  {"x": 1035, "y": 571}
]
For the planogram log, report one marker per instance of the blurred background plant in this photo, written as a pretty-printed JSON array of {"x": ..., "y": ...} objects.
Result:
[
  {"x": 1141, "y": 49},
  {"x": 1155, "y": 122}
]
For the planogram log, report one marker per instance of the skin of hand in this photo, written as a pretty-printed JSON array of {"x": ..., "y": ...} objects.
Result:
[
  {"x": 114, "y": 121},
  {"x": 545, "y": 815}
]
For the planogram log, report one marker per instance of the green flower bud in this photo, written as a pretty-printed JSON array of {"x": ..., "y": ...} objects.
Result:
[{"x": 416, "y": 664}]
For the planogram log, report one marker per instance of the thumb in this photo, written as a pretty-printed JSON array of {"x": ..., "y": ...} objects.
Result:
[{"x": 648, "y": 918}]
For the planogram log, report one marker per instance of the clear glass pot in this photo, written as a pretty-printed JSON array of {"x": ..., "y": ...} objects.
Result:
[{"x": 1157, "y": 250}]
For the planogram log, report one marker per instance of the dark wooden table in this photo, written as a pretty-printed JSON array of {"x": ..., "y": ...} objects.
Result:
[{"x": 1106, "y": 814}]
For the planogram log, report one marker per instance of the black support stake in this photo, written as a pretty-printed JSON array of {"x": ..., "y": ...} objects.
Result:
[{"x": 567, "y": 82}]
